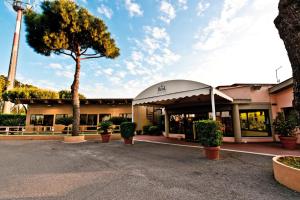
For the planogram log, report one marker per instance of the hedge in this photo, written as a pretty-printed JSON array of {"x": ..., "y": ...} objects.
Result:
[{"x": 12, "y": 120}]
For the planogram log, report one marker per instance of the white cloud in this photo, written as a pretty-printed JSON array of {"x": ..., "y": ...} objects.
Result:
[
  {"x": 168, "y": 12},
  {"x": 242, "y": 45},
  {"x": 202, "y": 7},
  {"x": 229, "y": 22},
  {"x": 55, "y": 66},
  {"x": 106, "y": 11},
  {"x": 182, "y": 4},
  {"x": 108, "y": 71},
  {"x": 133, "y": 8}
]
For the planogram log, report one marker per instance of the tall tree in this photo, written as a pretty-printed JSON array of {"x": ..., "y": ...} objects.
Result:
[
  {"x": 288, "y": 24},
  {"x": 65, "y": 28}
]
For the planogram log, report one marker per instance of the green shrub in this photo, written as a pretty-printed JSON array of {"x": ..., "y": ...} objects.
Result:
[
  {"x": 285, "y": 126},
  {"x": 64, "y": 121},
  {"x": 154, "y": 130},
  {"x": 104, "y": 126},
  {"x": 209, "y": 132},
  {"x": 146, "y": 129},
  {"x": 127, "y": 129},
  {"x": 12, "y": 120},
  {"x": 119, "y": 120}
]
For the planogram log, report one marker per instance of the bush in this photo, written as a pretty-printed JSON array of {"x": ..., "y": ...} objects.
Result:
[
  {"x": 285, "y": 126},
  {"x": 146, "y": 129},
  {"x": 154, "y": 130},
  {"x": 127, "y": 129},
  {"x": 64, "y": 121},
  {"x": 12, "y": 120},
  {"x": 119, "y": 120},
  {"x": 104, "y": 126},
  {"x": 209, "y": 132}
]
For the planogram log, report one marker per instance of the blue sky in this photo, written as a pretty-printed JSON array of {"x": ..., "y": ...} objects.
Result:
[{"x": 214, "y": 42}]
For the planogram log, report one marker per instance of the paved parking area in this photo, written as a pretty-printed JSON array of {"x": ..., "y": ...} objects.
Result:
[{"x": 91, "y": 170}]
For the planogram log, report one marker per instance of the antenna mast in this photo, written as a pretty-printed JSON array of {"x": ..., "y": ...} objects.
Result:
[
  {"x": 19, "y": 6},
  {"x": 277, "y": 79}
]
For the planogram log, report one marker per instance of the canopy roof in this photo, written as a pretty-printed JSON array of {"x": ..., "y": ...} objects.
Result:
[{"x": 169, "y": 92}]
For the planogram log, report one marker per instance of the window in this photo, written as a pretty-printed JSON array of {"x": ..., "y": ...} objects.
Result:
[
  {"x": 58, "y": 116},
  {"x": 125, "y": 115},
  {"x": 255, "y": 123},
  {"x": 48, "y": 120},
  {"x": 88, "y": 119},
  {"x": 104, "y": 117},
  {"x": 92, "y": 119},
  {"x": 42, "y": 120},
  {"x": 36, "y": 119}
]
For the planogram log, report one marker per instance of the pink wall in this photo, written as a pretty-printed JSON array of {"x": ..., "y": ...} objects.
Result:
[
  {"x": 281, "y": 100},
  {"x": 246, "y": 92}
]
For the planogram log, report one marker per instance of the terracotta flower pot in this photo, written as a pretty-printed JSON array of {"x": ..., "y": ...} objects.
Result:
[
  {"x": 212, "y": 153},
  {"x": 128, "y": 141},
  {"x": 105, "y": 138},
  {"x": 288, "y": 142},
  {"x": 286, "y": 175}
]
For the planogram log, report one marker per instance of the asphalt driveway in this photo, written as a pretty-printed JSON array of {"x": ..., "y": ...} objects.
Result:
[{"x": 54, "y": 170}]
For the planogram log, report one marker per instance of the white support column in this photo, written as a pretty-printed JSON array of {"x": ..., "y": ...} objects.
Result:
[
  {"x": 167, "y": 120},
  {"x": 213, "y": 107},
  {"x": 132, "y": 113}
]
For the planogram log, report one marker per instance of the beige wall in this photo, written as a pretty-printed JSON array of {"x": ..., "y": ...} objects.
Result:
[
  {"x": 140, "y": 117},
  {"x": 67, "y": 109}
]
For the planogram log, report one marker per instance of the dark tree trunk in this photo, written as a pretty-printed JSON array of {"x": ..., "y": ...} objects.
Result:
[
  {"x": 288, "y": 24},
  {"x": 75, "y": 99}
]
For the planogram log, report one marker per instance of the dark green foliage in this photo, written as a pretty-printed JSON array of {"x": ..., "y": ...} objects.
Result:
[
  {"x": 146, "y": 129},
  {"x": 209, "y": 133},
  {"x": 119, "y": 120},
  {"x": 104, "y": 126},
  {"x": 12, "y": 120},
  {"x": 64, "y": 121},
  {"x": 66, "y": 94},
  {"x": 154, "y": 130},
  {"x": 285, "y": 126},
  {"x": 64, "y": 26},
  {"x": 28, "y": 93},
  {"x": 127, "y": 129}
]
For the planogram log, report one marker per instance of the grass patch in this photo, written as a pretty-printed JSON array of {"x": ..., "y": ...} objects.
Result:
[{"x": 290, "y": 161}]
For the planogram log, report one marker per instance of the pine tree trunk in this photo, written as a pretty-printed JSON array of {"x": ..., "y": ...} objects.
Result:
[
  {"x": 75, "y": 99},
  {"x": 288, "y": 24}
]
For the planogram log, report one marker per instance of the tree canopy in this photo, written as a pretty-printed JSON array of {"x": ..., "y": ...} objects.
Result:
[
  {"x": 66, "y": 94},
  {"x": 65, "y": 28}
]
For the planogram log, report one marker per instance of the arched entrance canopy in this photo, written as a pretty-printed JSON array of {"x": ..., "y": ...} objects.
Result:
[
  {"x": 180, "y": 93},
  {"x": 169, "y": 92}
]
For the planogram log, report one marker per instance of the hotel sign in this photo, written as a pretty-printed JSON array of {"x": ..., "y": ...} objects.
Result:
[{"x": 161, "y": 89}]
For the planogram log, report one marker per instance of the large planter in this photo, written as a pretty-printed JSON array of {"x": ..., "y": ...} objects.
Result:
[
  {"x": 212, "y": 153},
  {"x": 286, "y": 175},
  {"x": 128, "y": 140},
  {"x": 288, "y": 142},
  {"x": 74, "y": 139},
  {"x": 105, "y": 138}
]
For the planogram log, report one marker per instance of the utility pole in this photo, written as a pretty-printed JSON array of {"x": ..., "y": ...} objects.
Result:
[{"x": 19, "y": 6}]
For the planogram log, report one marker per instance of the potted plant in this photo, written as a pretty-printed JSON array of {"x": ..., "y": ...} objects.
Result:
[
  {"x": 127, "y": 131},
  {"x": 103, "y": 129},
  {"x": 66, "y": 121},
  {"x": 210, "y": 136},
  {"x": 287, "y": 171},
  {"x": 285, "y": 127}
]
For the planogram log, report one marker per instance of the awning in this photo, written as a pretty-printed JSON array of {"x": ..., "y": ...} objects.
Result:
[{"x": 168, "y": 91}]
